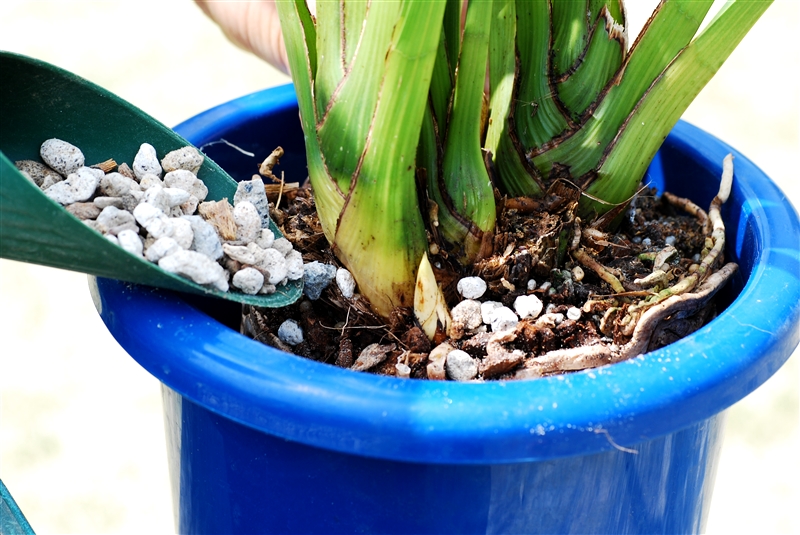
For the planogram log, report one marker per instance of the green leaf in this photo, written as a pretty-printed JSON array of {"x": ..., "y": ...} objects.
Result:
[
  {"x": 468, "y": 189},
  {"x": 381, "y": 237},
  {"x": 670, "y": 29},
  {"x": 598, "y": 64},
  {"x": 537, "y": 114},
  {"x": 667, "y": 99},
  {"x": 343, "y": 130}
]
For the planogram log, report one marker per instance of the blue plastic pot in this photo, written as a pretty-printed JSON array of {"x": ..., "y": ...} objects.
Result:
[{"x": 264, "y": 441}]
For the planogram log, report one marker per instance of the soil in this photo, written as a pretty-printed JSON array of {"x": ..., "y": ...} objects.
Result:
[{"x": 536, "y": 240}]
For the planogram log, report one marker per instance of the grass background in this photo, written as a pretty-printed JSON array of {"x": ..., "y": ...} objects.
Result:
[{"x": 81, "y": 436}]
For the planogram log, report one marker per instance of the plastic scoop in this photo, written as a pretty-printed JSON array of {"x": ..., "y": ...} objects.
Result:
[{"x": 39, "y": 101}]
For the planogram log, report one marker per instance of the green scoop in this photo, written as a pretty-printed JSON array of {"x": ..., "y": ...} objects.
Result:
[{"x": 39, "y": 101}]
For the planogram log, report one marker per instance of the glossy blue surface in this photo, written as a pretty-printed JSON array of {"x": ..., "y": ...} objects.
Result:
[{"x": 327, "y": 450}]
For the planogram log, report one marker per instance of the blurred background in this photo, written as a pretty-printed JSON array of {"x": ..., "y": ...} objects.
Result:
[{"x": 81, "y": 434}]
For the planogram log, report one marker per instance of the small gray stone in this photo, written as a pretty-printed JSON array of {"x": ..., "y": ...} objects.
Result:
[
  {"x": 471, "y": 287},
  {"x": 504, "y": 319},
  {"x": 42, "y": 176},
  {"x": 248, "y": 280},
  {"x": 290, "y": 333},
  {"x": 83, "y": 210},
  {"x": 206, "y": 240},
  {"x": 112, "y": 220},
  {"x": 79, "y": 186},
  {"x": 131, "y": 200},
  {"x": 574, "y": 313},
  {"x": 61, "y": 156},
  {"x": 130, "y": 241},
  {"x": 248, "y": 222},
  {"x": 528, "y": 306},
  {"x": 102, "y": 202},
  {"x": 460, "y": 366},
  {"x": 316, "y": 277},
  {"x": 117, "y": 185},
  {"x": 160, "y": 248},
  {"x": 188, "y": 158},
  {"x": 253, "y": 191},
  {"x": 345, "y": 282},
  {"x": 187, "y": 181},
  {"x": 197, "y": 267},
  {"x": 146, "y": 161}
]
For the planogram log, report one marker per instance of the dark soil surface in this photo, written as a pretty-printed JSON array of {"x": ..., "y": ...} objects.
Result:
[{"x": 540, "y": 241}]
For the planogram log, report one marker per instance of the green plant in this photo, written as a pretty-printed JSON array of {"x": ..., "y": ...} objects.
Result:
[{"x": 401, "y": 133}]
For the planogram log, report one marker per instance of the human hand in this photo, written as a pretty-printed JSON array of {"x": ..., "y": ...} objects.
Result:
[{"x": 252, "y": 26}]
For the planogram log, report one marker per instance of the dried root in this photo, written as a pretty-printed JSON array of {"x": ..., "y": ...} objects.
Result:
[{"x": 639, "y": 321}]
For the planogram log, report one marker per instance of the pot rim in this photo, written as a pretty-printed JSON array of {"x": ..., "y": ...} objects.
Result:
[{"x": 494, "y": 422}]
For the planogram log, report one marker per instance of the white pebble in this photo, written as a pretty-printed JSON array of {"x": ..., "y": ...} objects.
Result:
[
  {"x": 131, "y": 242},
  {"x": 175, "y": 196},
  {"x": 196, "y": 267},
  {"x": 78, "y": 187},
  {"x": 467, "y": 314},
  {"x": 471, "y": 287},
  {"x": 577, "y": 273},
  {"x": 248, "y": 222},
  {"x": 63, "y": 157},
  {"x": 160, "y": 248},
  {"x": 460, "y": 366},
  {"x": 250, "y": 254},
  {"x": 266, "y": 239},
  {"x": 531, "y": 285},
  {"x": 528, "y": 306},
  {"x": 290, "y": 333},
  {"x": 187, "y": 181},
  {"x": 283, "y": 245},
  {"x": 248, "y": 280},
  {"x": 294, "y": 266},
  {"x": 574, "y": 313},
  {"x": 545, "y": 286},
  {"x": 504, "y": 319},
  {"x": 345, "y": 282},
  {"x": 145, "y": 213},
  {"x": 487, "y": 310},
  {"x": 190, "y": 206},
  {"x": 150, "y": 180},
  {"x": 112, "y": 220},
  {"x": 647, "y": 242},
  {"x": 403, "y": 370},
  {"x": 146, "y": 161},
  {"x": 188, "y": 158},
  {"x": 160, "y": 226},
  {"x": 670, "y": 240},
  {"x": 113, "y": 239},
  {"x": 182, "y": 232},
  {"x": 117, "y": 185},
  {"x": 275, "y": 264}
]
